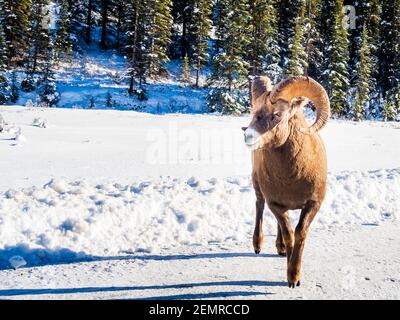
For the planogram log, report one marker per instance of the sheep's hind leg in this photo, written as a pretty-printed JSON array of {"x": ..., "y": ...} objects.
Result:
[
  {"x": 258, "y": 237},
  {"x": 282, "y": 215},
  {"x": 280, "y": 245},
  {"x": 306, "y": 217}
]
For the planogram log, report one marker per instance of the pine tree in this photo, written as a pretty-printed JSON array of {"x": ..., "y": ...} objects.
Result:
[
  {"x": 199, "y": 33},
  {"x": 325, "y": 24},
  {"x": 39, "y": 43},
  {"x": 47, "y": 87},
  {"x": 229, "y": 66},
  {"x": 3, "y": 44},
  {"x": 338, "y": 68},
  {"x": 105, "y": 11},
  {"x": 137, "y": 47},
  {"x": 373, "y": 22},
  {"x": 314, "y": 40},
  {"x": 185, "y": 70},
  {"x": 263, "y": 52},
  {"x": 297, "y": 62},
  {"x": 391, "y": 106},
  {"x": 89, "y": 21},
  {"x": 364, "y": 68},
  {"x": 5, "y": 89},
  {"x": 14, "y": 88},
  {"x": 272, "y": 58},
  {"x": 63, "y": 42},
  {"x": 16, "y": 24},
  {"x": 390, "y": 48},
  {"x": 159, "y": 31}
]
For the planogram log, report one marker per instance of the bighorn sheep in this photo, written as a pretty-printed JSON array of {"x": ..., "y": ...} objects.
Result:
[{"x": 289, "y": 161}]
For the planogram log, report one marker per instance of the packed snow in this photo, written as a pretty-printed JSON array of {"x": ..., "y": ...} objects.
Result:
[{"x": 85, "y": 185}]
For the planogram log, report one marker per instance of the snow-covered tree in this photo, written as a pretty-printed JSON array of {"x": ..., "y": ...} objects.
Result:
[
  {"x": 364, "y": 69},
  {"x": 5, "y": 88},
  {"x": 16, "y": 25},
  {"x": 47, "y": 87},
  {"x": 14, "y": 88},
  {"x": 230, "y": 68},
  {"x": 297, "y": 58},
  {"x": 63, "y": 42},
  {"x": 391, "y": 106},
  {"x": 390, "y": 45},
  {"x": 159, "y": 31},
  {"x": 199, "y": 33},
  {"x": 263, "y": 52},
  {"x": 185, "y": 77},
  {"x": 314, "y": 43},
  {"x": 338, "y": 74},
  {"x": 288, "y": 13},
  {"x": 39, "y": 43}
]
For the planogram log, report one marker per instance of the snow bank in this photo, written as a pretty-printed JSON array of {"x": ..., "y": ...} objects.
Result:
[{"x": 64, "y": 221}]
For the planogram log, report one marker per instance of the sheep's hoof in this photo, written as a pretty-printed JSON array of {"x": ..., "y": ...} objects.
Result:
[
  {"x": 293, "y": 284},
  {"x": 258, "y": 241},
  {"x": 280, "y": 248},
  {"x": 294, "y": 278}
]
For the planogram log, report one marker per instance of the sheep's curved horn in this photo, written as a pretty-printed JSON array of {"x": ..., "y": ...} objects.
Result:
[
  {"x": 302, "y": 86},
  {"x": 260, "y": 86}
]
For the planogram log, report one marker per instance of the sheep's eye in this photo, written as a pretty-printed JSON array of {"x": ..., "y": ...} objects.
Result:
[
  {"x": 259, "y": 117},
  {"x": 276, "y": 115}
]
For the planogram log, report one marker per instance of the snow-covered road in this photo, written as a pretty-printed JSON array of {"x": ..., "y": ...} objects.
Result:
[
  {"x": 114, "y": 204},
  {"x": 351, "y": 263}
]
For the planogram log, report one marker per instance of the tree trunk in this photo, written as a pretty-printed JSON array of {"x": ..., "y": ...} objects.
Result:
[
  {"x": 133, "y": 57},
  {"x": 104, "y": 23},
  {"x": 88, "y": 37}
]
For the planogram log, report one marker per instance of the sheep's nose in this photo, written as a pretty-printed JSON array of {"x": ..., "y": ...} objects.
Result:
[
  {"x": 251, "y": 136},
  {"x": 244, "y": 128}
]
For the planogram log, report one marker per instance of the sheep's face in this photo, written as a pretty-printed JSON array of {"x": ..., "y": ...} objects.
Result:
[{"x": 269, "y": 126}]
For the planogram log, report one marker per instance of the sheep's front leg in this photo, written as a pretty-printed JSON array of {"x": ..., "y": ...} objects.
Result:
[
  {"x": 306, "y": 217},
  {"x": 258, "y": 237}
]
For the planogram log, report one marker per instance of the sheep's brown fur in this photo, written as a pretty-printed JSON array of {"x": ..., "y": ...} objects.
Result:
[{"x": 289, "y": 170}]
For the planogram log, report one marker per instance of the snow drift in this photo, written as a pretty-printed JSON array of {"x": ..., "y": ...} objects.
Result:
[{"x": 64, "y": 221}]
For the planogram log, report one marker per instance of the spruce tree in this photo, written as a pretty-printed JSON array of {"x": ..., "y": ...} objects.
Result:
[
  {"x": 47, "y": 87},
  {"x": 105, "y": 11},
  {"x": 391, "y": 106},
  {"x": 338, "y": 73},
  {"x": 373, "y": 24},
  {"x": 272, "y": 58},
  {"x": 158, "y": 28},
  {"x": 297, "y": 62},
  {"x": 185, "y": 70},
  {"x": 16, "y": 24},
  {"x": 199, "y": 33},
  {"x": 263, "y": 52},
  {"x": 63, "y": 42},
  {"x": 5, "y": 89},
  {"x": 314, "y": 41},
  {"x": 364, "y": 69},
  {"x": 229, "y": 66},
  {"x": 137, "y": 46},
  {"x": 288, "y": 13},
  {"x": 89, "y": 21},
  {"x": 14, "y": 88},
  {"x": 390, "y": 48},
  {"x": 39, "y": 43}
]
